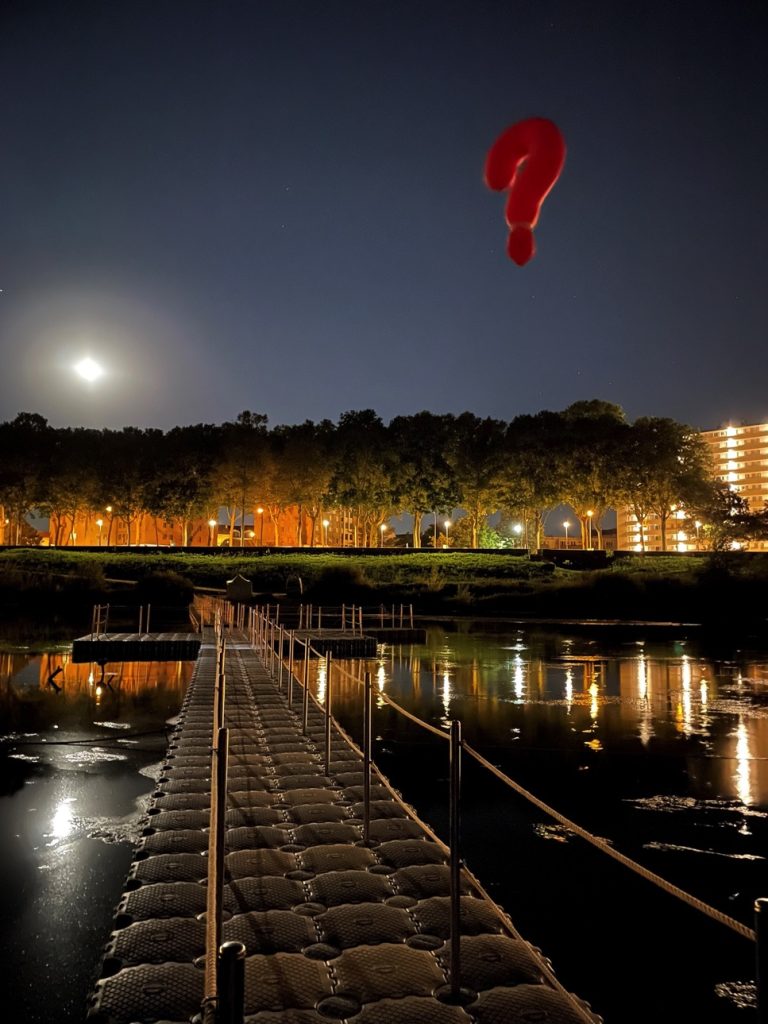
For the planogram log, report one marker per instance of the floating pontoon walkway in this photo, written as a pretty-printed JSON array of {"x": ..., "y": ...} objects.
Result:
[
  {"x": 136, "y": 647},
  {"x": 333, "y": 929}
]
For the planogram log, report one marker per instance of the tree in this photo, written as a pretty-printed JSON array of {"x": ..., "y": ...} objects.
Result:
[
  {"x": 422, "y": 481},
  {"x": 475, "y": 456},
  {"x": 594, "y": 439},
  {"x": 664, "y": 464},
  {"x": 534, "y": 472},
  {"x": 361, "y": 482}
]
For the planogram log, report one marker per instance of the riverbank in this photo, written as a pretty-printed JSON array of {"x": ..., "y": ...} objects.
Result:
[{"x": 727, "y": 591}]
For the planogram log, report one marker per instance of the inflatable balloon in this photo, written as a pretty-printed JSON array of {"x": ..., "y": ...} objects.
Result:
[{"x": 526, "y": 159}]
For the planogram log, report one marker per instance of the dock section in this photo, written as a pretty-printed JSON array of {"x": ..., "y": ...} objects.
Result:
[
  {"x": 334, "y": 928},
  {"x": 136, "y": 647}
]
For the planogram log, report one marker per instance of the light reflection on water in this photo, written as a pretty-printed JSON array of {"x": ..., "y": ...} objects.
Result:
[
  {"x": 556, "y": 690},
  {"x": 80, "y": 746}
]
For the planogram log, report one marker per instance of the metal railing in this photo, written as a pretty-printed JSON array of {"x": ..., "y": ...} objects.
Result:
[{"x": 458, "y": 746}]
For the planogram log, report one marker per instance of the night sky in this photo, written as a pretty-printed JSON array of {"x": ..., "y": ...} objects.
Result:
[{"x": 278, "y": 205}]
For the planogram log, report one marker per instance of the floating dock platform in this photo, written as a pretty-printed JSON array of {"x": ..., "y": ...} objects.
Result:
[
  {"x": 136, "y": 647},
  {"x": 334, "y": 929}
]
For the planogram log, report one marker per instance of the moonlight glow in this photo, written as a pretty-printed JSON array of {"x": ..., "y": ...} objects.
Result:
[{"x": 88, "y": 369}]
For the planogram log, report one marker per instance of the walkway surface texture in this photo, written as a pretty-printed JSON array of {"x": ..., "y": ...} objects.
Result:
[{"x": 333, "y": 929}]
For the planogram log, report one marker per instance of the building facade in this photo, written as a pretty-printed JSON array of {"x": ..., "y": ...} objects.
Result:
[{"x": 740, "y": 460}]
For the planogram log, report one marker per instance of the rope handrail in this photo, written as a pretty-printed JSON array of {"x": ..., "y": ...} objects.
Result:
[
  {"x": 716, "y": 915},
  {"x": 600, "y": 844},
  {"x": 470, "y": 877}
]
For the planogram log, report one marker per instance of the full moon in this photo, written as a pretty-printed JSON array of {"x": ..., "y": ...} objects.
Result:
[{"x": 88, "y": 369}]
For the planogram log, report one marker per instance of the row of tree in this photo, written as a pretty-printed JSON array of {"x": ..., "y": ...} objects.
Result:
[{"x": 588, "y": 456}]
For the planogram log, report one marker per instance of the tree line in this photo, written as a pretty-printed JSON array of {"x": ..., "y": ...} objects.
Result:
[{"x": 588, "y": 456}]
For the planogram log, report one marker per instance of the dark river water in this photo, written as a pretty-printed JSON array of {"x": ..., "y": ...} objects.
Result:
[{"x": 652, "y": 744}]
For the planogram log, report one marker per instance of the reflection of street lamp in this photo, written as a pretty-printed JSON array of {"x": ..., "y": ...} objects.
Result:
[
  {"x": 99, "y": 523},
  {"x": 447, "y": 527},
  {"x": 211, "y": 525},
  {"x": 589, "y": 520},
  {"x": 566, "y": 524},
  {"x": 326, "y": 524},
  {"x": 260, "y": 511},
  {"x": 382, "y": 528}
]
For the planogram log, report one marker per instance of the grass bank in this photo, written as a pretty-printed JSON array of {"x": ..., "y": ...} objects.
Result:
[{"x": 718, "y": 589}]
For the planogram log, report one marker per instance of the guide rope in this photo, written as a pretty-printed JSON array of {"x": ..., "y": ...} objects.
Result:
[{"x": 599, "y": 844}]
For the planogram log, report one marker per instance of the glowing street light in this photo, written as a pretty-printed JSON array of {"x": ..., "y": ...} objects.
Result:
[
  {"x": 697, "y": 527},
  {"x": 566, "y": 524},
  {"x": 326, "y": 524},
  {"x": 260, "y": 512},
  {"x": 589, "y": 520},
  {"x": 517, "y": 529},
  {"x": 99, "y": 523},
  {"x": 447, "y": 527},
  {"x": 382, "y": 528},
  {"x": 212, "y": 524}
]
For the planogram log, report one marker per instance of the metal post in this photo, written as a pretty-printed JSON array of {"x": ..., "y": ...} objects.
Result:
[
  {"x": 328, "y": 707},
  {"x": 231, "y": 983},
  {"x": 367, "y": 733},
  {"x": 319, "y": 617},
  {"x": 291, "y": 634},
  {"x": 220, "y": 700},
  {"x": 401, "y": 616},
  {"x": 360, "y": 611},
  {"x": 411, "y": 607},
  {"x": 455, "y": 841},
  {"x": 146, "y": 626},
  {"x": 141, "y": 617},
  {"x": 305, "y": 706},
  {"x": 280, "y": 666},
  {"x": 222, "y": 757},
  {"x": 761, "y": 954},
  {"x": 343, "y": 618}
]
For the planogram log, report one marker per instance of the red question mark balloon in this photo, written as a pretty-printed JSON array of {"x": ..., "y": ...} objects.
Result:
[{"x": 526, "y": 159}]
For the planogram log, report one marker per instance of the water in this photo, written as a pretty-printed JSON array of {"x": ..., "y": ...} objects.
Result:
[
  {"x": 78, "y": 758},
  {"x": 654, "y": 745}
]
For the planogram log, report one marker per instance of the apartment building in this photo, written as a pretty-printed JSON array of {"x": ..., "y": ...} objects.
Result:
[{"x": 740, "y": 460}]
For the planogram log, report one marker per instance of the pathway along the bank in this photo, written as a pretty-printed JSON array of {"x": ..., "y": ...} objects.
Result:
[{"x": 333, "y": 927}]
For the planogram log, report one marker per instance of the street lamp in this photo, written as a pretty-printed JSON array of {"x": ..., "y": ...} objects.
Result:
[
  {"x": 326, "y": 524},
  {"x": 211, "y": 525},
  {"x": 108, "y": 510},
  {"x": 566, "y": 524},
  {"x": 517, "y": 529},
  {"x": 382, "y": 528},
  {"x": 260, "y": 511},
  {"x": 447, "y": 527},
  {"x": 697, "y": 526},
  {"x": 589, "y": 520},
  {"x": 99, "y": 523}
]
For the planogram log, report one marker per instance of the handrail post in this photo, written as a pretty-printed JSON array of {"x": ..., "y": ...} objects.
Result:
[
  {"x": 343, "y": 618},
  {"x": 305, "y": 704},
  {"x": 146, "y": 625},
  {"x": 328, "y": 711},
  {"x": 280, "y": 666},
  {"x": 367, "y": 734},
  {"x": 141, "y": 617},
  {"x": 291, "y": 641},
  {"x": 455, "y": 841},
  {"x": 231, "y": 983},
  {"x": 761, "y": 955},
  {"x": 222, "y": 758}
]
